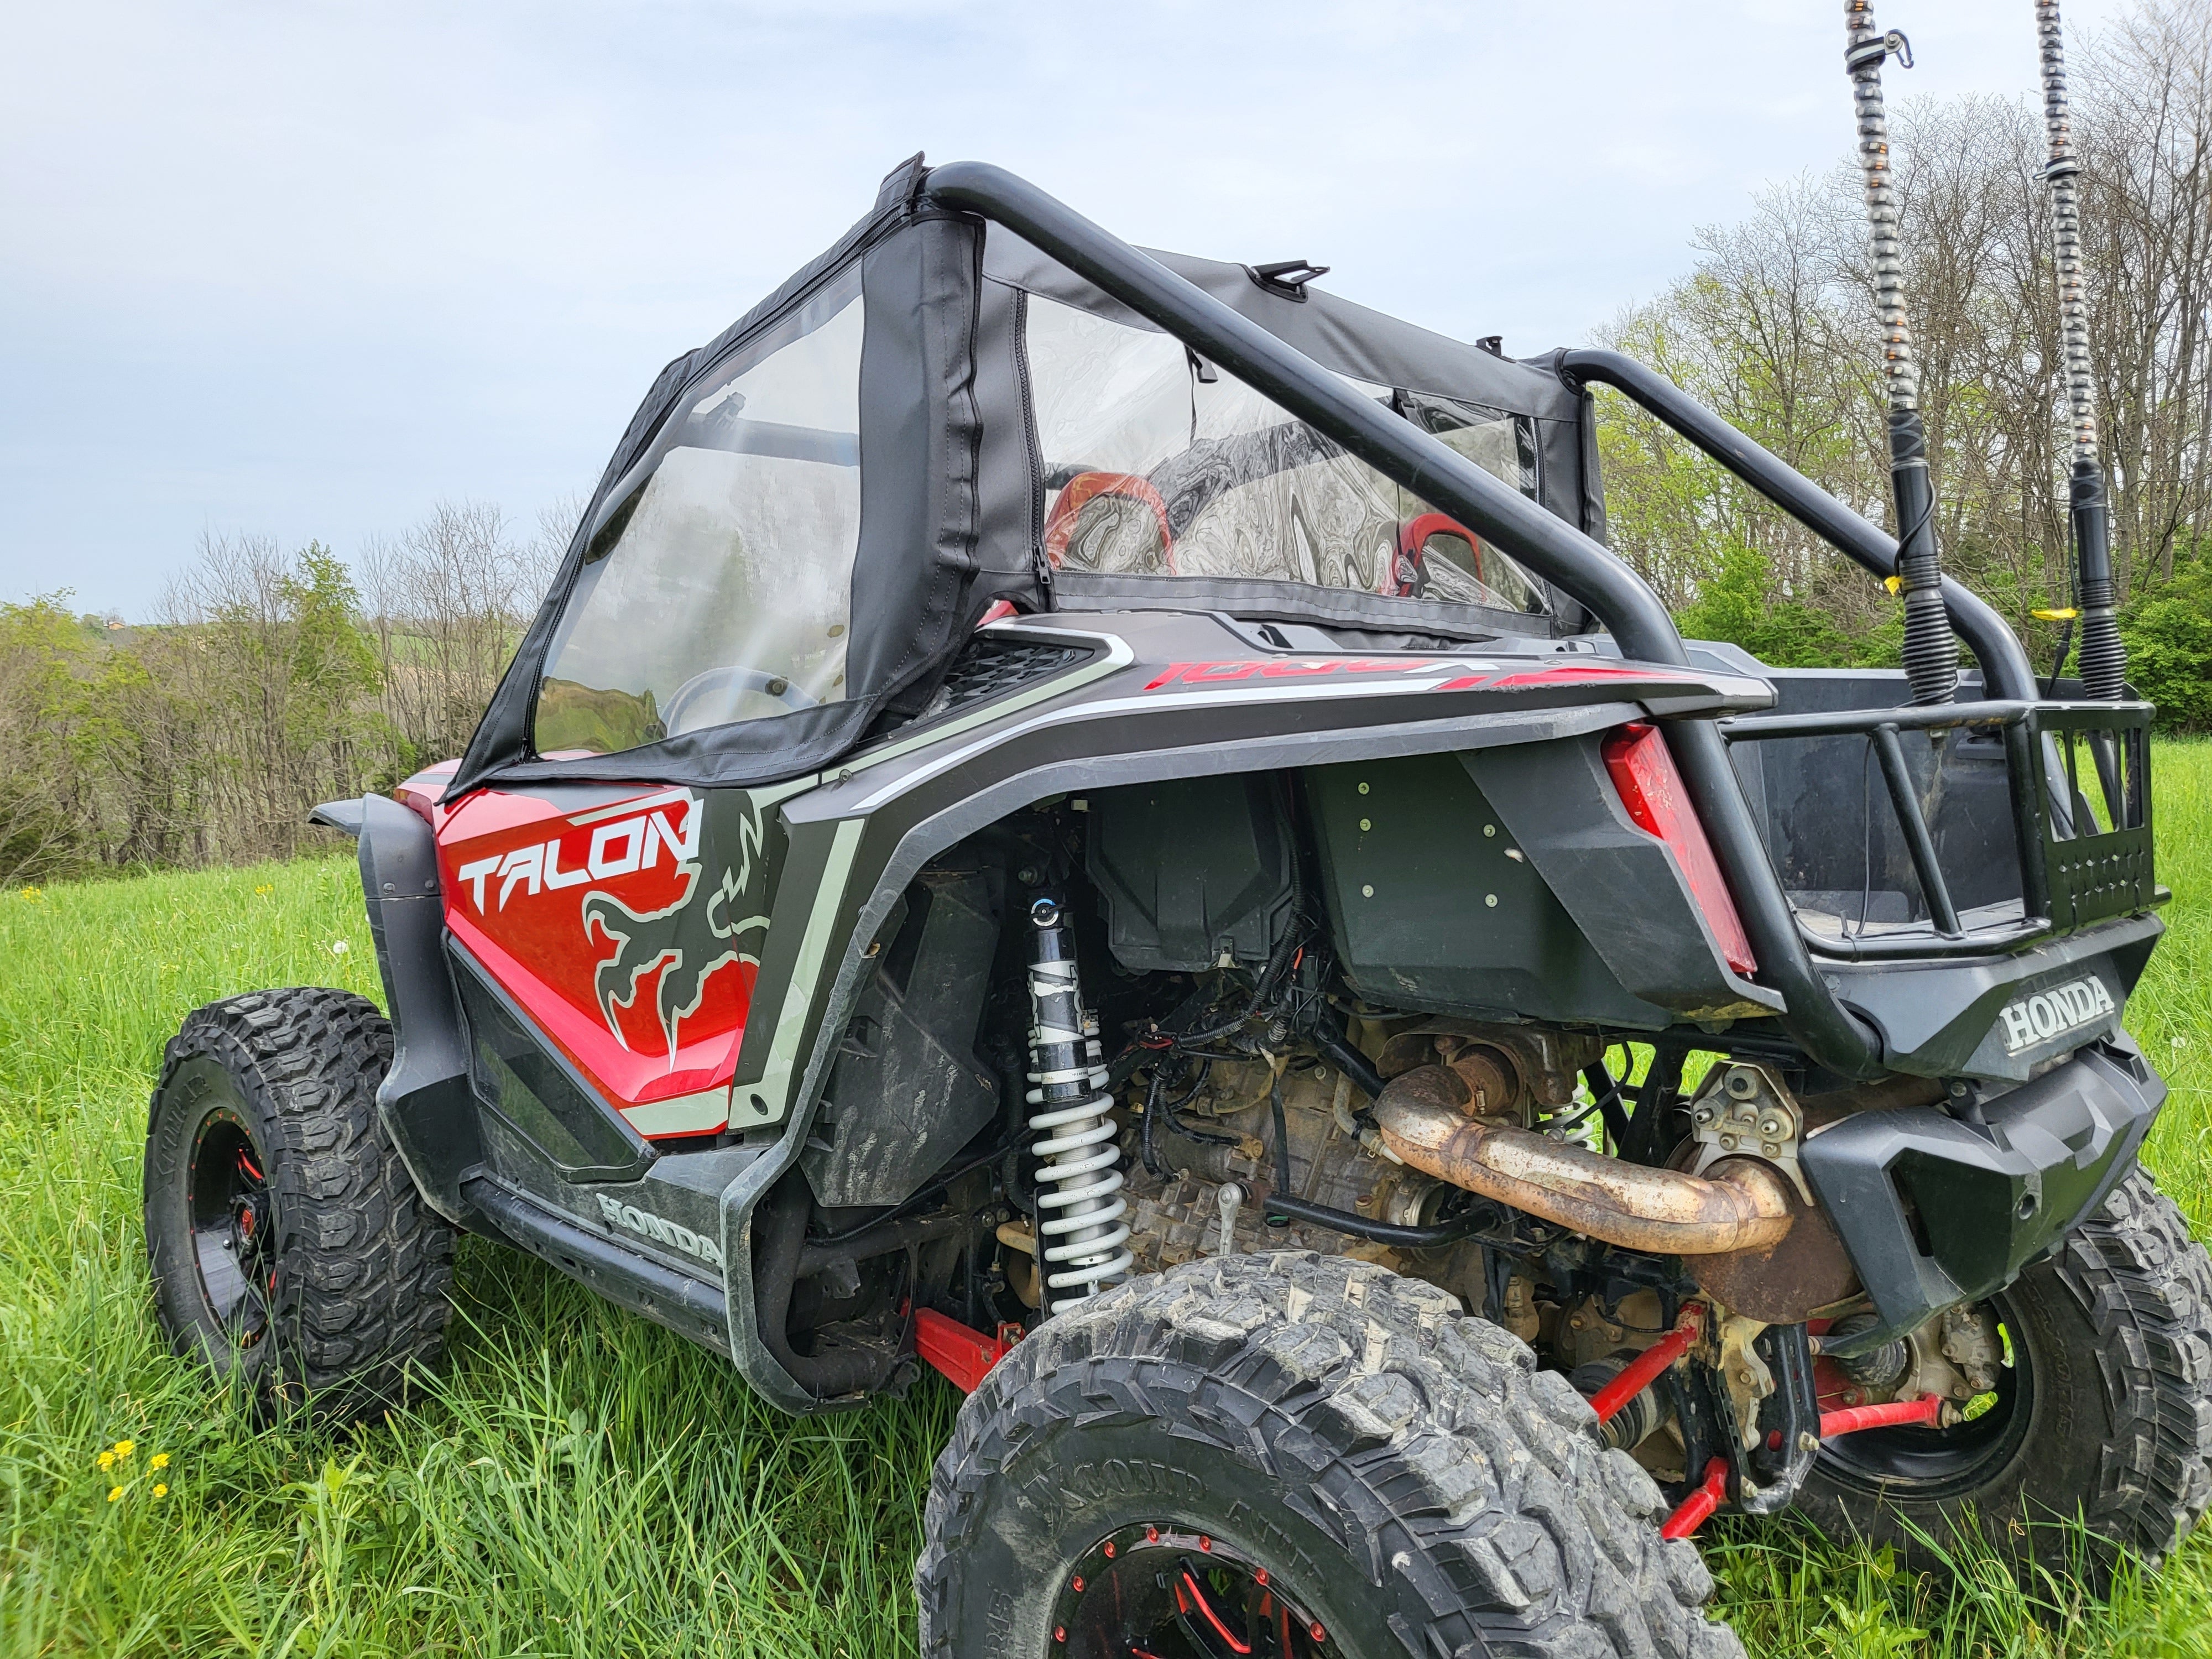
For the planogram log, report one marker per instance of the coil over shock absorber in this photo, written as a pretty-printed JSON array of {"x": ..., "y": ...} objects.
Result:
[{"x": 1080, "y": 1233}]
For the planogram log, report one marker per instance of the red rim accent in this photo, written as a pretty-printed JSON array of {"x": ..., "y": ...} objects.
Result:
[
  {"x": 1212, "y": 1618},
  {"x": 1148, "y": 1588}
]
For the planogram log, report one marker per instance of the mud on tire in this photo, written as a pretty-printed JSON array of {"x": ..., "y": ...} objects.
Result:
[
  {"x": 1408, "y": 1478},
  {"x": 2111, "y": 1344},
  {"x": 289, "y": 1247}
]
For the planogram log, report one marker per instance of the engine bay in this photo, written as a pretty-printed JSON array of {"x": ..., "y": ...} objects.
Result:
[{"x": 1117, "y": 1033}]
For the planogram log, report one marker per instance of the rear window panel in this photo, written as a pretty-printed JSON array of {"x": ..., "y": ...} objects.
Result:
[{"x": 1159, "y": 464}]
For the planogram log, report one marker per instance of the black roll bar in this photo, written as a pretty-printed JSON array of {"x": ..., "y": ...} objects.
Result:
[
  {"x": 1549, "y": 546},
  {"x": 2005, "y": 670},
  {"x": 1393, "y": 446}
]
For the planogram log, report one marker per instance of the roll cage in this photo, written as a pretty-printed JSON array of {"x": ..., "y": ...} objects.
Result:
[
  {"x": 946, "y": 532},
  {"x": 2069, "y": 878}
]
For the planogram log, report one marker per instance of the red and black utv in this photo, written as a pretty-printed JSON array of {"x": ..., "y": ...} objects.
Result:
[{"x": 1090, "y": 820}]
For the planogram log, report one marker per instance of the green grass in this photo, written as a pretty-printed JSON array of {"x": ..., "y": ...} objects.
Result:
[{"x": 582, "y": 1482}]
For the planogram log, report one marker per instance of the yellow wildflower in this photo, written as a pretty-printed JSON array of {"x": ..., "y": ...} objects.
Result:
[
  {"x": 33, "y": 894},
  {"x": 264, "y": 889},
  {"x": 107, "y": 1460},
  {"x": 124, "y": 1447},
  {"x": 113, "y": 1493},
  {"x": 159, "y": 1460},
  {"x": 160, "y": 1490}
]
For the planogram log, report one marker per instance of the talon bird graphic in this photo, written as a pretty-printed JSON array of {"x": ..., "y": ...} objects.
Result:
[{"x": 680, "y": 945}]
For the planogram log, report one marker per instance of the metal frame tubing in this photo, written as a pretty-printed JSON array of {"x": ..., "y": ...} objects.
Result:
[
  {"x": 2005, "y": 669},
  {"x": 1417, "y": 462}
]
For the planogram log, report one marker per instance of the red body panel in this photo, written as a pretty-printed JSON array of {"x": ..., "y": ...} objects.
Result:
[{"x": 548, "y": 900}]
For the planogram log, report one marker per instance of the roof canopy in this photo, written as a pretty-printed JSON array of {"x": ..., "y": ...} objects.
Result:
[{"x": 948, "y": 513}]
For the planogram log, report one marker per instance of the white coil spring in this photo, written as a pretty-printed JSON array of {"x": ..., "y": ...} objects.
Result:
[{"x": 1081, "y": 1233}]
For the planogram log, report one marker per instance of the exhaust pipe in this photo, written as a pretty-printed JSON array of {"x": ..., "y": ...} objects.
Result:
[{"x": 1742, "y": 1206}]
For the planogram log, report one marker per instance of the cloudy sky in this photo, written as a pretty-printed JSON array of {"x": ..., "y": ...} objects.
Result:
[{"x": 304, "y": 269}]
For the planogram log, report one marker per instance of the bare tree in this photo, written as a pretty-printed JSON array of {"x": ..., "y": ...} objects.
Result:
[
  {"x": 558, "y": 521},
  {"x": 2146, "y": 127},
  {"x": 266, "y": 679},
  {"x": 1774, "y": 329},
  {"x": 448, "y": 601}
]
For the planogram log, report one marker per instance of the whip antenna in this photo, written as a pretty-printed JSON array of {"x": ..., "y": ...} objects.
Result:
[
  {"x": 1931, "y": 650},
  {"x": 2104, "y": 658}
]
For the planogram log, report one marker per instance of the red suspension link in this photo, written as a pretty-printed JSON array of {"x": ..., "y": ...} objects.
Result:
[
  {"x": 1927, "y": 1410},
  {"x": 1692, "y": 1511},
  {"x": 1710, "y": 1493},
  {"x": 1642, "y": 1371},
  {"x": 963, "y": 1356}
]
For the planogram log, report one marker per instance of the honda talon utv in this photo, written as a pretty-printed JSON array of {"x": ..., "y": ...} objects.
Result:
[{"x": 1105, "y": 824}]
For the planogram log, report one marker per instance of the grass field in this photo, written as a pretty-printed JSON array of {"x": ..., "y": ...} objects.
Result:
[{"x": 582, "y": 1482}]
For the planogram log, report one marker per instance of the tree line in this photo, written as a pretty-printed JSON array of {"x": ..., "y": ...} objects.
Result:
[
  {"x": 267, "y": 682},
  {"x": 1773, "y": 327}
]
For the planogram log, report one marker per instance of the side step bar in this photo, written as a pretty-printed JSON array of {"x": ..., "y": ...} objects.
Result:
[{"x": 689, "y": 1307}]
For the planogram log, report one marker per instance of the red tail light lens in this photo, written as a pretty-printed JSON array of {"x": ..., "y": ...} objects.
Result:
[{"x": 1651, "y": 789}]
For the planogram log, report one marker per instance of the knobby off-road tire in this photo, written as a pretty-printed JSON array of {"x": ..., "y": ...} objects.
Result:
[
  {"x": 1407, "y": 1477},
  {"x": 289, "y": 1247},
  {"x": 2108, "y": 1410}
]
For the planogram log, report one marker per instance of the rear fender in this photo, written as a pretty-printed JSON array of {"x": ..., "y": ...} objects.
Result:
[{"x": 1621, "y": 885}]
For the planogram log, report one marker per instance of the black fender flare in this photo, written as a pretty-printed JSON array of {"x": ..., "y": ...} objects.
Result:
[{"x": 425, "y": 1102}]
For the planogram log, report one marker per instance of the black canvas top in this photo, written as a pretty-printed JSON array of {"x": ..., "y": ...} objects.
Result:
[
  {"x": 951, "y": 490},
  {"x": 1367, "y": 345},
  {"x": 1335, "y": 332}
]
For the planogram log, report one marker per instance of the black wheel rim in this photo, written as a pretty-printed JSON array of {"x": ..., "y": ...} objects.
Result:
[
  {"x": 227, "y": 1201},
  {"x": 1930, "y": 1464},
  {"x": 1162, "y": 1591}
]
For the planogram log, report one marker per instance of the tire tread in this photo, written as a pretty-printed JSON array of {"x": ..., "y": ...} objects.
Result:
[
  {"x": 364, "y": 1266},
  {"x": 1425, "y": 1441},
  {"x": 2145, "y": 1284}
]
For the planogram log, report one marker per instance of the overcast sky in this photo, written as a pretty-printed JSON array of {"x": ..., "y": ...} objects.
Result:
[{"x": 302, "y": 269}]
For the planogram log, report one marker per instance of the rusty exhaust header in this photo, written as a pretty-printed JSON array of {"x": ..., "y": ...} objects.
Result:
[{"x": 1742, "y": 1204}]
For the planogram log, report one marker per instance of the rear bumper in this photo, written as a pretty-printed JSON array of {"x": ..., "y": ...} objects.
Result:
[
  {"x": 1935, "y": 1212},
  {"x": 1948, "y": 1019}
]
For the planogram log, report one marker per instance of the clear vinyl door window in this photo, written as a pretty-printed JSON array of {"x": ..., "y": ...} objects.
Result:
[
  {"x": 722, "y": 588},
  {"x": 1158, "y": 464}
]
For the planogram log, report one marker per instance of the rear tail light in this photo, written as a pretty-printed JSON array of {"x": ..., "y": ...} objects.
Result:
[{"x": 1651, "y": 789}]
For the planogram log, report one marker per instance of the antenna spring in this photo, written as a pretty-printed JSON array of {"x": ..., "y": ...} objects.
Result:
[{"x": 1931, "y": 650}]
